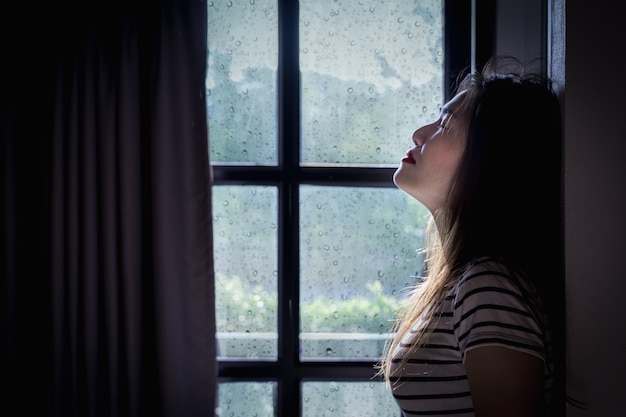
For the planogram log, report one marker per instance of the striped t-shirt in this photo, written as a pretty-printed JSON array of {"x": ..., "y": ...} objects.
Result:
[{"x": 486, "y": 307}]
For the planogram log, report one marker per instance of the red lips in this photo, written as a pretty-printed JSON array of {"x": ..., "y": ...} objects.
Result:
[{"x": 409, "y": 158}]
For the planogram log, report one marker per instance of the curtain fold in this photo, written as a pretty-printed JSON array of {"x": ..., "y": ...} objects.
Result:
[{"x": 108, "y": 297}]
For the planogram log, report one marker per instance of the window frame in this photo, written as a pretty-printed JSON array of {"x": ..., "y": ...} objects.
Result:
[{"x": 466, "y": 44}]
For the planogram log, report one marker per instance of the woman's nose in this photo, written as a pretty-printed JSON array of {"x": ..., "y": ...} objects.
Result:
[{"x": 420, "y": 135}]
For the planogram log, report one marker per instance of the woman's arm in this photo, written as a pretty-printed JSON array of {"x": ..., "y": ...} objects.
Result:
[{"x": 505, "y": 382}]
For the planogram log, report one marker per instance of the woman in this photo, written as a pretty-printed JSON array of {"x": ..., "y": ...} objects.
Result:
[{"x": 483, "y": 334}]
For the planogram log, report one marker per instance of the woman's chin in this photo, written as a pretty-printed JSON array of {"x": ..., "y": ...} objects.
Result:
[{"x": 395, "y": 176}]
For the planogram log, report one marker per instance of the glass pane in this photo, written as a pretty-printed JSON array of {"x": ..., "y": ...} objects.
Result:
[
  {"x": 372, "y": 72},
  {"x": 241, "y": 81},
  {"x": 358, "y": 252},
  {"x": 245, "y": 250},
  {"x": 321, "y": 399},
  {"x": 246, "y": 399}
]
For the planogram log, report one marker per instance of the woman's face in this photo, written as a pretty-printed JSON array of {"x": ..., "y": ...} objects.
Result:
[{"x": 427, "y": 169}]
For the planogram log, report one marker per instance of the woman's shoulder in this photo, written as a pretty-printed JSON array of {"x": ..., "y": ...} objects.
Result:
[
  {"x": 490, "y": 273},
  {"x": 486, "y": 267}
]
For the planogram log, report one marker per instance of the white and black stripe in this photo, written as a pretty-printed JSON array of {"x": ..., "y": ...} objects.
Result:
[{"x": 488, "y": 306}]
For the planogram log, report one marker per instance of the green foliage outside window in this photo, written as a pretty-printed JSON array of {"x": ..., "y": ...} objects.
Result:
[{"x": 252, "y": 311}]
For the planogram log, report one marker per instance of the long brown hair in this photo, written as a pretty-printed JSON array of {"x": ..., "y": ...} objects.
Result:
[{"x": 504, "y": 201}]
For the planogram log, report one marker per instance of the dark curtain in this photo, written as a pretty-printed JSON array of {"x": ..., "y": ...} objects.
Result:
[{"x": 107, "y": 302}]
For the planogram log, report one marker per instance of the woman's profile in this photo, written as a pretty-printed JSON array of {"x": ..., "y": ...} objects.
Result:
[{"x": 483, "y": 334}]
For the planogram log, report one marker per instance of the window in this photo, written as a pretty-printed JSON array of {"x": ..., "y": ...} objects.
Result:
[{"x": 311, "y": 104}]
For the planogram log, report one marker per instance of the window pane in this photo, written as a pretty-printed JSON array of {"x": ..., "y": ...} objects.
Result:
[
  {"x": 241, "y": 81},
  {"x": 321, "y": 399},
  {"x": 241, "y": 399},
  {"x": 245, "y": 242},
  {"x": 358, "y": 252},
  {"x": 372, "y": 72}
]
